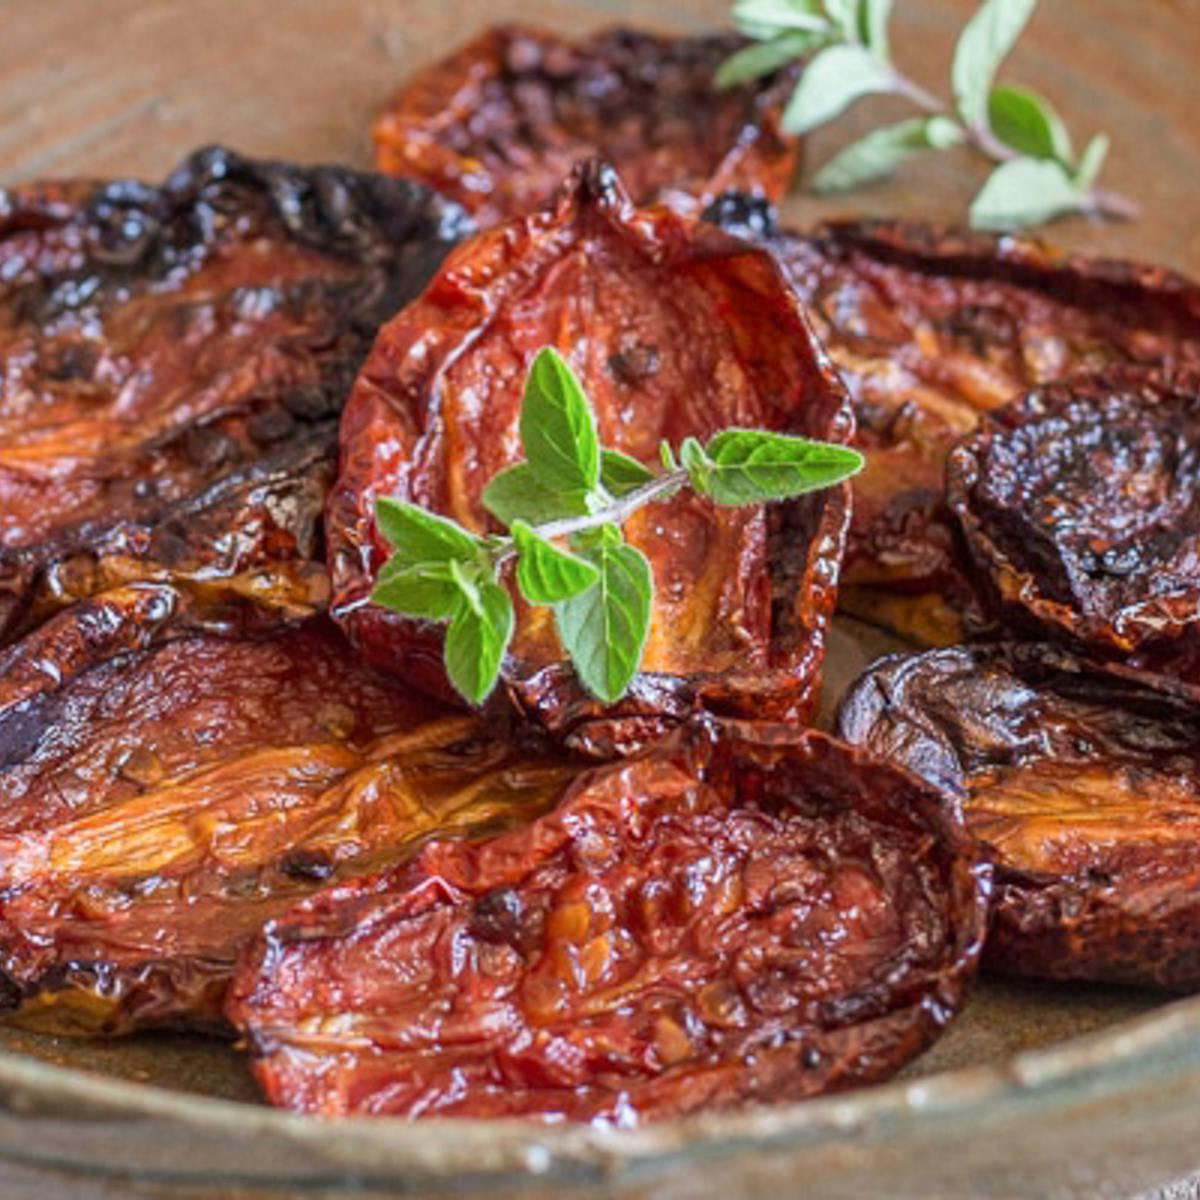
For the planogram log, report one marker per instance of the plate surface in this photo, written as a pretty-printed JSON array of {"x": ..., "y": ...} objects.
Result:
[{"x": 1036, "y": 1091}]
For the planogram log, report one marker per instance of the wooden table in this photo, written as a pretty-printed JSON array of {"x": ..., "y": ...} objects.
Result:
[{"x": 127, "y": 87}]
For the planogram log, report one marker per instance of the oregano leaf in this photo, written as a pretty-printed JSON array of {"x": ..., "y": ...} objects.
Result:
[
  {"x": 546, "y": 574},
  {"x": 419, "y": 536},
  {"x": 1091, "y": 161},
  {"x": 764, "y": 58},
  {"x": 767, "y": 18},
  {"x": 1028, "y": 123},
  {"x": 604, "y": 628},
  {"x": 752, "y": 466},
  {"x": 985, "y": 42},
  {"x": 477, "y": 640},
  {"x": 880, "y": 152},
  {"x": 423, "y": 591},
  {"x": 831, "y": 82},
  {"x": 558, "y": 429},
  {"x": 1023, "y": 192},
  {"x": 516, "y": 494},
  {"x": 621, "y": 474},
  {"x": 873, "y": 17},
  {"x": 844, "y": 14}
]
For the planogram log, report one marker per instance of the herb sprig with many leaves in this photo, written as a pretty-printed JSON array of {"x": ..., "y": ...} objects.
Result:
[
  {"x": 564, "y": 506},
  {"x": 1038, "y": 175}
]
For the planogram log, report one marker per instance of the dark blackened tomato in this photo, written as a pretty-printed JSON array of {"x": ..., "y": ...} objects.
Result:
[
  {"x": 161, "y": 797},
  {"x": 499, "y": 124},
  {"x": 931, "y": 329},
  {"x": 173, "y": 361},
  {"x": 1084, "y": 783},
  {"x": 762, "y": 917},
  {"x": 1081, "y": 506},
  {"x": 674, "y": 328}
]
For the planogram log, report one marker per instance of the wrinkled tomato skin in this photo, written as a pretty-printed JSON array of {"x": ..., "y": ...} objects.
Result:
[
  {"x": 674, "y": 329},
  {"x": 165, "y": 790},
  {"x": 761, "y": 916},
  {"x": 499, "y": 124},
  {"x": 932, "y": 329},
  {"x": 173, "y": 363},
  {"x": 1080, "y": 504},
  {"x": 1082, "y": 780}
]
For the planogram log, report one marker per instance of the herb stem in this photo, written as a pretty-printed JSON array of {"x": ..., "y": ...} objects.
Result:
[
  {"x": 1097, "y": 202},
  {"x": 616, "y": 513}
]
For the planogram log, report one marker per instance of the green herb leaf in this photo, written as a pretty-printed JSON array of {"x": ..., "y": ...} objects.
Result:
[
  {"x": 1091, "y": 161},
  {"x": 423, "y": 591},
  {"x": 873, "y": 17},
  {"x": 752, "y": 466},
  {"x": 419, "y": 536},
  {"x": 546, "y": 574},
  {"x": 1025, "y": 121},
  {"x": 983, "y": 45},
  {"x": 621, "y": 474},
  {"x": 882, "y": 151},
  {"x": 764, "y": 58},
  {"x": 515, "y": 494},
  {"x": 604, "y": 629},
  {"x": 477, "y": 640},
  {"x": 845, "y": 15},
  {"x": 832, "y": 82},
  {"x": 667, "y": 455},
  {"x": 766, "y": 18},
  {"x": 558, "y": 430},
  {"x": 1026, "y": 191}
]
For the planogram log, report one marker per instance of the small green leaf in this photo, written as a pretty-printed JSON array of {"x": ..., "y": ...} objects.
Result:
[
  {"x": 845, "y": 15},
  {"x": 546, "y": 574},
  {"x": 697, "y": 464},
  {"x": 766, "y": 18},
  {"x": 764, "y": 58},
  {"x": 422, "y": 591},
  {"x": 476, "y": 642},
  {"x": 873, "y": 17},
  {"x": 599, "y": 537},
  {"x": 983, "y": 45},
  {"x": 604, "y": 629},
  {"x": 467, "y": 581},
  {"x": 1026, "y": 191},
  {"x": 752, "y": 466},
  {"x": 667, "y": 455},
  {"x": 880, "y": 153},
  {"x": 831, "y": 83},
  {"x": 1091, "y": 161},
  {"x": 516, "y": 494},
  {"x": 1025, "y": 121},
  {"x": 419, "y": 536},
  {"x": 558, "y": 429},
  {"x": 621, "y": 474}
]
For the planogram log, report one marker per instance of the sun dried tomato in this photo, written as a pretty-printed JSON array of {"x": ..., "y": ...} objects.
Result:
[
  {"x": 500, "y": 123},
  {"x": 674, "y": 328},
  {"x": 161, "y": 799},
  {"x": 1081, "y": 506},
  {"x": 1084, "y": 783},
  {"x": 762, "y": 917},
  {"x": 173, "y": 361},
  {"x": 930, "y": 329}
]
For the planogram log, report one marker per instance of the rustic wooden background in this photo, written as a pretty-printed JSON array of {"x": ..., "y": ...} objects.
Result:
[{"x": 127, "y": 87}]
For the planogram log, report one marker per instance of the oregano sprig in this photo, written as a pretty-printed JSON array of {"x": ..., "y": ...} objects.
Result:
[
  {"x": 1037, "y": 175},
  {"x": 564, "y": 507}
]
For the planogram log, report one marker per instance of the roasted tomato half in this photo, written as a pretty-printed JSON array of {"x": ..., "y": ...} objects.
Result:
[
  {"x": 161, "y": 799},
  {"x": 674, "y": 328},
  {"x": 757, "y": 917},
  {"x": 173, "y": 361},
  {"x": 1081, "y": 506},
  {"x": 500, "y": 123},
  {"x": 931, "y": 329},
  {"x": 1084, "y": 783}
]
